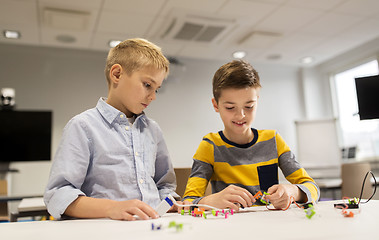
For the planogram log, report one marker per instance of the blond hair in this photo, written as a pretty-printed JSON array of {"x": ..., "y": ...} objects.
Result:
[{"x": 135, "y": 54}]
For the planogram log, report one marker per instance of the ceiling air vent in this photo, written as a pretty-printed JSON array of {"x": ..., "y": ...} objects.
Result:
[
  {"x": 66, "y": 19},
  {"x": 196, "y": 28}
]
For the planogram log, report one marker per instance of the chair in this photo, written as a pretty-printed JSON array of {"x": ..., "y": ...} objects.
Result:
[
  {"x": 352, "y": 175},
  {"x": 3, "y": 205},
  {"x": 182, "y": 175}
]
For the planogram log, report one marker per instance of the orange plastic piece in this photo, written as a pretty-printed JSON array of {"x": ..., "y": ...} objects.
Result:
[
  {"x": 198, "y": 211},
  {"x": 258, "y": 195},
  {"x": 348, "y": 214}
]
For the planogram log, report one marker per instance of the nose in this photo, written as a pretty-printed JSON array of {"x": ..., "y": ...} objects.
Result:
[
  {"x": 152, "y": 96},
  {"x": 240, "y": 113}
]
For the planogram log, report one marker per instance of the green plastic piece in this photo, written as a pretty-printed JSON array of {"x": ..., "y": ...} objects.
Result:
[
  {"x": 309, "y": 212},
  {"x": 172, "y": 224}
]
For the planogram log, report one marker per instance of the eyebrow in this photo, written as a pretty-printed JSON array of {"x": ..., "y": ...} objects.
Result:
[
  {"x": 151, "y": 79},
  {"x": 251, "y": 101}
]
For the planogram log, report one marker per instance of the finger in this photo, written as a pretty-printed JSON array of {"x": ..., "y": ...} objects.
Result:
[
  {"x": 249, "y": 198},
  {"x": 231, "y": 206},
  {"x": 128, "y": 217},
  {"x": 245, "y": 194},
  {"x": 272, "y": 197},
  {"x": 244, "y": 199},
  {"x": 139, "y": 213},
  {"x": 180, "y": 208},
  {"x": 237, "y": 199},
  {"x": 187, "y": 203},
  {"x": 272, "y": 189},
  {"x": 173, "y": 208},
  {"x": 274, "y": 193},
  {"x": 147, "y": 211},
  {"x": 280, "y": 204}
]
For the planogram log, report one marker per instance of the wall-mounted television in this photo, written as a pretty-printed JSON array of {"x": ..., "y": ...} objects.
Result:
[
  {"x": 368, "y": 96},
  {"x": 25, "y": 136}
]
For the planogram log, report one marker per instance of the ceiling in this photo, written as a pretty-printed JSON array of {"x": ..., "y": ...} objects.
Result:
[{"x": 274, "y": 31}]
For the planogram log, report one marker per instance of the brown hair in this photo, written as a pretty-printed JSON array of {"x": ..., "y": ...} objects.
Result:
[
  {"x": 135, "y": 54},
  {"x": 235, "y": 74}
]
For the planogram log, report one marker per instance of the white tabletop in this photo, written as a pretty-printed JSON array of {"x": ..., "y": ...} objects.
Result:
[{"x": 256, "y": 223}]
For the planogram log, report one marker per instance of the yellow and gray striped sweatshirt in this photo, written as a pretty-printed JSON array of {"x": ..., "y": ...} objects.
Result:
[{"x": 253, "y": 166}]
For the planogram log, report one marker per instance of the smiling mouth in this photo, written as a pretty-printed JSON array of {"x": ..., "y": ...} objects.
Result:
[
  {"x": 145, "y": 105},
  {"x": 239, "y": 123}
]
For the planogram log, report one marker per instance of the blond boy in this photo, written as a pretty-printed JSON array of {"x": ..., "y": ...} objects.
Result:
[
  {"x": 240, "y": 161},
  {"x": 112, "y": 161}
]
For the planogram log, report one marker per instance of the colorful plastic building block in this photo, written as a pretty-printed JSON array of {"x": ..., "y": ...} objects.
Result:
[
  {"x": 259, "y": 196},
  {"x": 310, "y": 211}
]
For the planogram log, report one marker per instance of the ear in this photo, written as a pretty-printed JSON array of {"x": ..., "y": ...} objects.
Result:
[
  {"x": 115, "y": 73},
  {"x": 215, "y": 104}
]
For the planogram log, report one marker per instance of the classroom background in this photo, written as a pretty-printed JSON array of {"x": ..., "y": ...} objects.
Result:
[{"x": 68, "y": 78}]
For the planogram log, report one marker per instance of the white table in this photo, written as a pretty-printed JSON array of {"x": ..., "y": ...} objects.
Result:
[{"x": 259, "y": 223}]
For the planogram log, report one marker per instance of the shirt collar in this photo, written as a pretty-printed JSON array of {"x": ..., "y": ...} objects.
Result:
[{"x": 111, "y": 114}]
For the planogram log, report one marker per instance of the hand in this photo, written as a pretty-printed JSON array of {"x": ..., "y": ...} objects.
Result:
[
  {"x": 280, "y": 195},
  {"x": 127, "y": 210},
  {"x": 175, "y": 208},
  {"x": 184, "y": 203},
  {"x": 231, "y": 197}
]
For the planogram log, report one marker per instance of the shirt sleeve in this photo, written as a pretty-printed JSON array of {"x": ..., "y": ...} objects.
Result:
[
  {"x": 69, "y": 169},
  {"x": 164, "y": 172},
  {"x": 201, "y": 173},
  {"x": 295, "y": 173}
]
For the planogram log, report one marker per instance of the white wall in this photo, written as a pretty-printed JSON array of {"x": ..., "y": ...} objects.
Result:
[{"x": 70, "y": 81}]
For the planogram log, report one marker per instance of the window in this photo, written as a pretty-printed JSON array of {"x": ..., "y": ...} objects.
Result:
[{"x": 354, "y": 132}]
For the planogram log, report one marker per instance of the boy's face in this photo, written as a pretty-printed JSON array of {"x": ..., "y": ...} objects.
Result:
[
  {"x": 237, "y": 108},
  {"x": 131, "y": 94}
]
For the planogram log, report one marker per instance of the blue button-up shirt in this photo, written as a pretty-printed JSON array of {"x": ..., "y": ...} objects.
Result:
[{"x": 102, "y": 155}]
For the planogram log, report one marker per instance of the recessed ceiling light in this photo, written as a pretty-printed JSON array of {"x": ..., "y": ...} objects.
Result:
[
  {"x": 307, "y": 60},
  {"x": 239, "y": 54},
  {"x": 113, "y": 43},
  {"x": 12, "y": 34}
]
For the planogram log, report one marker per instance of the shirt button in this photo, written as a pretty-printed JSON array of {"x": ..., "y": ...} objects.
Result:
[
  {"x": 136, "y": 153},
  {"x": 141, "y": 181},
  {"x": 127, "y": 127},
  {"x": 121, "y": 116}
]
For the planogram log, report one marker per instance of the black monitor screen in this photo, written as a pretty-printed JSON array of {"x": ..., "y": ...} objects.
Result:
[
  {"x": 25, "y": 135},
  {"x": 368, "y": 96}
]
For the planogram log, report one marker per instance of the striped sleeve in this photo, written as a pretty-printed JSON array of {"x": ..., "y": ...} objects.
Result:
[
  {"x": 294, "y": 172},
  {"x": 202, "y": 170}
]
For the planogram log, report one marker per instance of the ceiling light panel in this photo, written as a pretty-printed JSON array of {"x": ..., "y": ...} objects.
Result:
[
  {"x": 10, "y": 34},
  {"x": 66, "y": 19}
]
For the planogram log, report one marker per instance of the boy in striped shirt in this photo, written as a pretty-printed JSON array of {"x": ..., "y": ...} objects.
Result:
[{"x": 239, "y": 161}]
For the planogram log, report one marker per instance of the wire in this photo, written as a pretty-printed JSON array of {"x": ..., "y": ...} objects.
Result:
[
  {"x": 347, "y": 213},
  {"x": 196, "y": 205},
  {"x": 193, "y": 205},
  {"x": 363, "y": 185},
  {"x": 292, "y": 200}
]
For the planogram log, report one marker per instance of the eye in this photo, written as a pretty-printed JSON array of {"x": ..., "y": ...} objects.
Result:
[
  {"x": 147, "y": 85},
  {"x": 249, "y": 107},
  {"x": 229, "y": 108}
]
